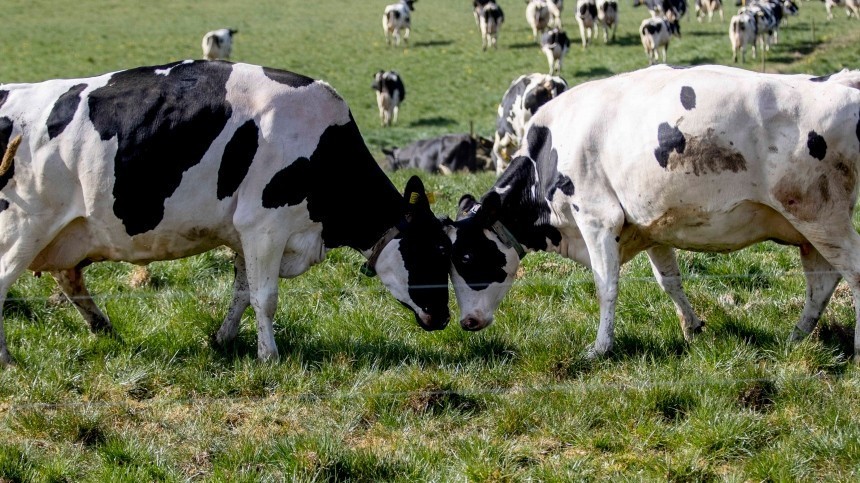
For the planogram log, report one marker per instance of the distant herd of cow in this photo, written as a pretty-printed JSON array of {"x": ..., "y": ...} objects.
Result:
[{"x": 164, "y": 162}]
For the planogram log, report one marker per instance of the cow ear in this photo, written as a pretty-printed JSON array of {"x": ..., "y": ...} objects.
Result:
[
  {"x": 488, "y": 213},
  {"x": 465, "y": 205},
  {"x": 416, "y": 197}
]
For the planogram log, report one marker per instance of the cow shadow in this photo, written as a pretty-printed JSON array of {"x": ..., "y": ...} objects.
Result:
[
  {"x": 703, "y": 33},
  {"x": 595, "y": 72},
  {"x": 624, "y": 40},
  {"x": 524, "y": 45},
  {"x": 432, "y": 43},
  {"x": 437, "y": 121},
  {"x": 702, "y": 60}
]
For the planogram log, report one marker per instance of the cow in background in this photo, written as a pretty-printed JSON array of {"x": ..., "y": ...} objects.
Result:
[
  {"x": 390, "y": 93},
  {"x": 555, "y": 8},
  {"x": 742, "y": 32},
  {"x": 607, "y": 16},
  {"x": 218, "y": 44},
  {"x": 555, "y": 44},
  {"x": 655, "y": 33},
  {"x": 586, "y": 17},
  {"x": 521, "y": 100},
  {"x": 537, "y": 16},
  {"x": 708, "y": 7},
  {"x": 490, "y": 19},
  {"x": 852, "y": 8},
  {"x": 397, "y": 19},
  {"x": 444, "y": 154}
]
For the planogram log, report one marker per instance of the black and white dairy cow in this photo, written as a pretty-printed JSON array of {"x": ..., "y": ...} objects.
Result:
[
  {"x": 554, "y": 43},
  {"x": 655, "y": 33},
  {"x": 218, "y": 44},
  {"x": 524, "y": 97},
  {"x": 490, "y": 19},
  {"x": 390, "y": 92},
  {"x": 158, "y": 163},
  {"x": 443, "y": 154},
  {"x": 397, "y": 21},
  {"x": 717, "y": 159}
]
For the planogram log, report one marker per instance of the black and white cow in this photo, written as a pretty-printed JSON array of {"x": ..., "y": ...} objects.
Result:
[
  {"x": 397, "y": 21},
  {"x": 586, "y": 17},
  {"x": 444, "y": 154},
  {"x": 554, "y": 44},
  {"x": 852, "y": 8},
  {"x": 524, "y": 97},
  {"x": 607, "y": 17},
  {"x": 708, "y": 7},
  {"x": 159, "y": 163},
  {"x": 538, "y": 17},
  {"x": 713, "y": 159},
  {"x": 218, "y": 44},
  {"x": 655, "y": 33},
  {"x": 671, "y": 9},
  {"x": 555, "y": 9},
  {"x": 390, "y": 93},
  {"x": 769, "y": 15},
  {"x": 490, "y": 19},
  {"x": 743, "y": 31}
]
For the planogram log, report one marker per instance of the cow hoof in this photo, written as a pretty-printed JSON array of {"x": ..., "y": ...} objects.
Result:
[
  {"x": 268, "y": 356},
  {"x": 6, "y": 359},
  {"x": 592, "y": 353}
]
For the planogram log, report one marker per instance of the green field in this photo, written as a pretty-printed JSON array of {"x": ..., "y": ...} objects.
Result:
[{"x": 361, "y": 393}]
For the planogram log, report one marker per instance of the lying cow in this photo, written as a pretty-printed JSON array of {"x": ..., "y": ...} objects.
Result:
[
  {"x": 390, "y": 92},
  {"x": 397, "y": 21},
  {"x": 159, "y": 163},
  {"x": 684, "y": 167},
  {"x": 444, "y": 154},
  {"x": 524, "y": 97},
  {"x": 218, "y": 44},
  {"x": 655, "y": 33}
]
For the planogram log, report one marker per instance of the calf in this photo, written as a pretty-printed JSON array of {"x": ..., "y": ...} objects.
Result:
[
  {"x": 444, "y": 154},
  {"x": 159, "y": 163},
  {"x": 655, "y": 33},
  {"x": 390, "y": 92},
  {"x": 523, "y": 98},
  {"x": 537, "y": 16},
  {"x": 693, "y": 172},
  {"x": 218, "y": 44},
  {"x": 742, "y": 32},
  {"x": 607, "y": 16},
  {"x": 586, "y": 17},
  {"x": 397, "y": 19},
  {"x": 555, "y": 44},
  {"x": 708, "y": 7},
  {"x": 852, "y": 8},
  {"x": 490, "y": 19}
]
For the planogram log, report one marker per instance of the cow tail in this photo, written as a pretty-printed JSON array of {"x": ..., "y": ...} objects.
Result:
[{"x": 9, "y": 155}]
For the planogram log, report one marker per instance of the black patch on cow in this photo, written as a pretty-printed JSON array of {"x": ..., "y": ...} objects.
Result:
[
  {"x": 823, "y": 78},
  {"x": 3, "y": 96},
  {"x": 164, "y": 124},
  {"x": 669, "y": 139},
  {"x": 565, "y": 184},
  {"x": 237, "y": 158},
  {"x": 64, "y": 110},
  {"x": 5, "y": 134},
  {"x": 476, "y": 258},
  {"x": 857, "y": 130},
  {"x": 4, "y": 204},
  {"x": 287, "y": 78},
  {"x": 652, "y": 28},
  {"x": 688, "y": 98},
  {"x": 817, "y": 146},
  {"x": 289, "y": 186}
]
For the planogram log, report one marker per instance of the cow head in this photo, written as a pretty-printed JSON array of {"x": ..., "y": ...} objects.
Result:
[
  {"x": 413, "y": 265},
  {"x": 484, "y": 259}
]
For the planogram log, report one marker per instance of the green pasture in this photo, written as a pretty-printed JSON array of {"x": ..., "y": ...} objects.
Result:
[{"x": 361, "y": 393}]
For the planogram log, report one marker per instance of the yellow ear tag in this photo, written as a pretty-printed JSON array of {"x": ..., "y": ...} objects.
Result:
[
  {"x": 413, "y": 198},
  {"x": 431, "y": 197}
]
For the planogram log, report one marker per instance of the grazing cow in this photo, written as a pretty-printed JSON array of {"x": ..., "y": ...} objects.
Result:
[
  {"x": 555, "y": 44},
  {"x": 655, "y": 33},
  {"x": 523, "y": 98},
  {"x": 713, "y": 159},
  {"x": 742, "y": 32},
  {"x": 538, "y": 16},
  {"x": 390, "y": 92},
  {"x": 708, "y": 7},
  {"x": 218, "y": 44},
  {"x": 586, "y": 17},
  {"x": 490, "y": 19},
  {"x": 159, "y": 163},
  {"x": 852, "y": 8},
  {"x": 444, "y": 154},
  {"x": 397, "y": 19},
  {"x": 607, "y": 17}
]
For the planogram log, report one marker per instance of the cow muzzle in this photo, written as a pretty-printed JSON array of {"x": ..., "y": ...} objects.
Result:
[
  {"x": 430, "y": 321},
  {"x": 475, "y": 322}
]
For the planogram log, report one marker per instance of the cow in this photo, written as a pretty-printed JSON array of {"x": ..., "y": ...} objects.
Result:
[
  {"x": 655, "y": 33},
  {"x": 671, "y": 9},
  {"x": 390, "y": 93},
  {"x": 526, "y": 94},
  {"x": 769, "y": 15},
  {"x": 555, "y": 7},
  {"x": 708, "y": 7},
  {"x": 397, "y": 21},
  {"x": 586, "y": 17},
  {"x": 742, "y": 32},
  {"x": 490, "y": 19},
  {"x": 555, "y": 44},
  {"x": 164, "y": 162},
  {"x": 607, "y": 17},
  {"x": 218, "y": 44},
  {"x": 444, "y": 154},
  {"x": 852, "y": 8},
  {"x": 713, "y": 159},
  {"x": 537, "y": 16}
]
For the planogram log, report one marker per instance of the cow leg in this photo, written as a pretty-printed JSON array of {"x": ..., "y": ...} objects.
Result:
[
  {"x": 241, "y": 300},
  {"x": 668, "y": 275},
  {"x": 821, "y": 281},
  {"x": 71, "y": 282},
  {"x": 262, "y": 261},
  {"x": 12, "y": 263}
]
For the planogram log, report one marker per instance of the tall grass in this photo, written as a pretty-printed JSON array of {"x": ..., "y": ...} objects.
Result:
[{"x": 361, "y": 393}]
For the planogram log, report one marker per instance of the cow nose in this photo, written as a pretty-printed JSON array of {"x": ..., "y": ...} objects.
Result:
[
  {"x": 430, "y": 321},
  {"x": 473, "y": 324}
]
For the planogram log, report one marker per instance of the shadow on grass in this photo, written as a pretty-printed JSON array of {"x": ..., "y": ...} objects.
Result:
[
  {"x": 624, "y": 40},
  {"x": 702, "y": 60},
  {"x": 749, "y": 334},
  {"x": 433, "y": 121},
  {"x": 596, "y": 72},
  {"x": 632, "y": 346},
  {"x": 432, "y": 43},
  {"x": 524, "y": 45}
]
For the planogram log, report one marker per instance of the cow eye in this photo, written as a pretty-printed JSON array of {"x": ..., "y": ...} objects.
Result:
[{"x": 466, "y": 259}]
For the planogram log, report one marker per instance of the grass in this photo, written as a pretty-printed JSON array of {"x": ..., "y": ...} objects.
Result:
[{"x": 361, "y": 393}]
